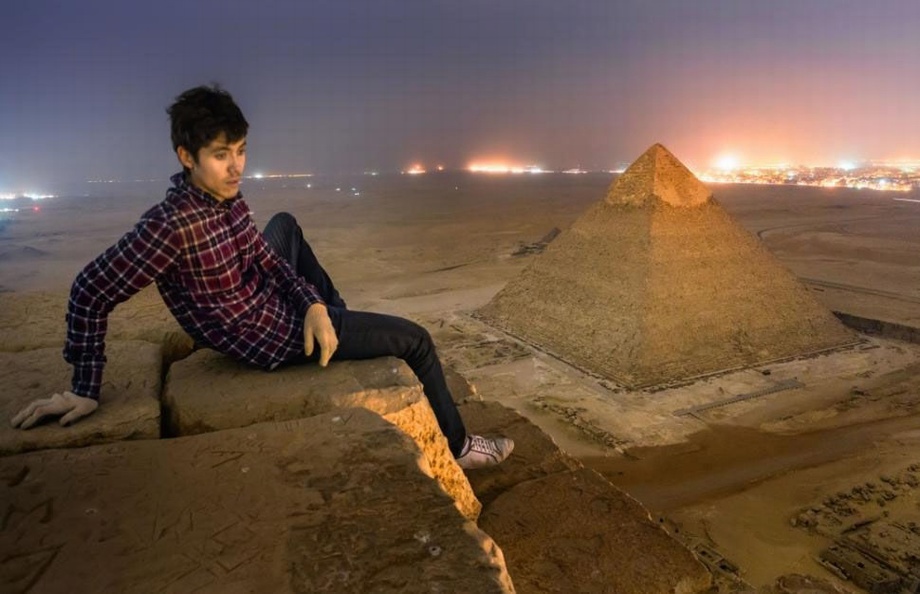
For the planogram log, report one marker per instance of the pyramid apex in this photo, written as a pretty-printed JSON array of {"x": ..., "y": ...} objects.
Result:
[{"x": 658, "y": 175}]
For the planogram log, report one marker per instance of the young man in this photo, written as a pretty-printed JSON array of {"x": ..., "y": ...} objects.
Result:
[{"x": 260, "y": 298}]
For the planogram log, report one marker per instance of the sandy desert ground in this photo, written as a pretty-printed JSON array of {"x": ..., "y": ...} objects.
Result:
[{"x": 821, "y": 448}]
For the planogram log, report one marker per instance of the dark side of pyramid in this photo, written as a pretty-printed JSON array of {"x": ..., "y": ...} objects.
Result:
[{"x": 656, "y": 284}]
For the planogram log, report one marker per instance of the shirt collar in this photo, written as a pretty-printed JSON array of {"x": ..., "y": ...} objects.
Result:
[{"x": 180, "y": 182}]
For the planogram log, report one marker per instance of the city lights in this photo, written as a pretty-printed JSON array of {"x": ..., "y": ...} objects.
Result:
[
  {"x": 727, "y": 162},
  {"x": 500, "y": 167},
  {"x": 28, "y": 195},
  {"x": 882, "y": 176},
  {"x": 277, "y": 175}
]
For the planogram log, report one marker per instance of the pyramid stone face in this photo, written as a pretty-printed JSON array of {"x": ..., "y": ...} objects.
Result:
[
  {"x": 658, "y": 176},
  {"x": 656, "y": 284}
]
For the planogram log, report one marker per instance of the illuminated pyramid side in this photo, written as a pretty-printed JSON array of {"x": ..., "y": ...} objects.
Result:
[
  {"x": 658, "y": 176},
  {"x": 657, "y": 284}
]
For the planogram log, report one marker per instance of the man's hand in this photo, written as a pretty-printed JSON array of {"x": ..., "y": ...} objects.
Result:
[
  {"x": 69, "y": 405},
  {"x": 318, "y": 326}
]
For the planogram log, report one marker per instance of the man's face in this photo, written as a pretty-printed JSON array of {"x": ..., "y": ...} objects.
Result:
[{"x": 218, "y": 168}]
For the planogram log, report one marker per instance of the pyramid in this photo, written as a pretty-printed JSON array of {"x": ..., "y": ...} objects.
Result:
[{"x": 656, "y": 284}]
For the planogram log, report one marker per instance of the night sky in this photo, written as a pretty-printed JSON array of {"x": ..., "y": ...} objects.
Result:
[{"x": 351, "y": 85}]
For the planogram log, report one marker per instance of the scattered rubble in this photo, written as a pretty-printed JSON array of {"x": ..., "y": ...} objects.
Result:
[{"x": 878, "y": 554}]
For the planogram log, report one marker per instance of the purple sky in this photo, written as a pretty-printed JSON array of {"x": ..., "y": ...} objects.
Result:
[{"x": 349, "y": 85}]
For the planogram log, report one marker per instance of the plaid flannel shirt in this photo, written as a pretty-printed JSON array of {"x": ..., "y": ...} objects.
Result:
[{"x": 222, "y": 282}]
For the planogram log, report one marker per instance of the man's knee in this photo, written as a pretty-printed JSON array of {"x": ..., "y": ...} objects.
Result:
[
  {"x": 282, "y": 222},
  {"x": 421, "y": 338}
]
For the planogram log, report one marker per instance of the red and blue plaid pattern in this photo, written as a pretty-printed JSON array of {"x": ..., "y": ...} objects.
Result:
[{"x": 222, "y": 282}]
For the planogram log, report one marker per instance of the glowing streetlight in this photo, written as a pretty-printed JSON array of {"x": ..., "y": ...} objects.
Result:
[{"x": 727, "y": 162}]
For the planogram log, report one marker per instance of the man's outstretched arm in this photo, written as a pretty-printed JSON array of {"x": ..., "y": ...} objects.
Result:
[{"x": 132, "y": 263}]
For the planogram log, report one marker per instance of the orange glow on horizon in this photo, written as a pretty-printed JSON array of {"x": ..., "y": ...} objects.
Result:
[
  {"x": 727, "y": 162},
  {"x": 502, "y": 167},
  {"x": 416, "y": 169}
]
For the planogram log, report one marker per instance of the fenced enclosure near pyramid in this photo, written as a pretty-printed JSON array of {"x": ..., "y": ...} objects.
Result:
[{"x": 656, "y": 284}]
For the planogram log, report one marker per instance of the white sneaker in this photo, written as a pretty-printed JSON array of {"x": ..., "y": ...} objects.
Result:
[{"x": 480, "y": 452}]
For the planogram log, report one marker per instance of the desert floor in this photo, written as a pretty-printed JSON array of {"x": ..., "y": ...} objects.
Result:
[{"x": 735, "y": 481}]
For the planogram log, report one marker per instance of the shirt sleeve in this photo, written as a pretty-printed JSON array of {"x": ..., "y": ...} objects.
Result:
[
  {"x": 143, "y": 254},
  {"x": 301, "y": 293}
]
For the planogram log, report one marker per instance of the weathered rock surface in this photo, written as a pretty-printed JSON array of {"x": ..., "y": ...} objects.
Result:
[
  {"x": 535, "y": 454},
  {"x": 129, "y": 401},
  {"x": 208, "y": 391},
  {"x": 36, "y": 320},
  {"x": 656, "y": 284},
  {"x": 564, "y": 528},
  {"x": 578, "y": 529},
  {"x": 334, "y": 503},
  {"x": 460, "y": 388}
]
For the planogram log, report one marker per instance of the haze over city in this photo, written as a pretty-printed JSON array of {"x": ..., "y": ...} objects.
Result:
[{"x": 351, "y": 86}]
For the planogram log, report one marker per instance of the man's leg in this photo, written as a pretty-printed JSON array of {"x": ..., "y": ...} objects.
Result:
[
  {"x": 285, "y": 236},
  {"x": 366, "y": 335}
]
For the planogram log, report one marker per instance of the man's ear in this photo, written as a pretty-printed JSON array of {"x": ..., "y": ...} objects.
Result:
[{"x": 185, "y": 158}]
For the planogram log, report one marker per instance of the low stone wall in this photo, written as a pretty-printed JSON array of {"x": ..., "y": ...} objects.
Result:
[{"x": 881, "y": 328}]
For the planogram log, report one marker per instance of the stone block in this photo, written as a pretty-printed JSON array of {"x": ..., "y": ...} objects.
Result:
[
  {"x": 460, "y": 388},
  {"x": 334, "y": 503},
  {"x": 129, "y": 402},
  {"x": 208, "y": 392},
  {"x": 574, "y": 531},
  {"x": 567, "y": 529},
  {"x": 535, "y": 454}
]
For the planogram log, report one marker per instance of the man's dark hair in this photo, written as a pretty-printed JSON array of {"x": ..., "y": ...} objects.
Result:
[{"x": 202, "y": 114}]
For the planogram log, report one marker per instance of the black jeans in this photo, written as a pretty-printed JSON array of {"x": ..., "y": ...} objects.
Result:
[{"x": 365, "y": 335}]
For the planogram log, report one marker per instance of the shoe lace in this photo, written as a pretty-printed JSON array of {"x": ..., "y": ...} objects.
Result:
[{"x": 483, "y": 445}]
